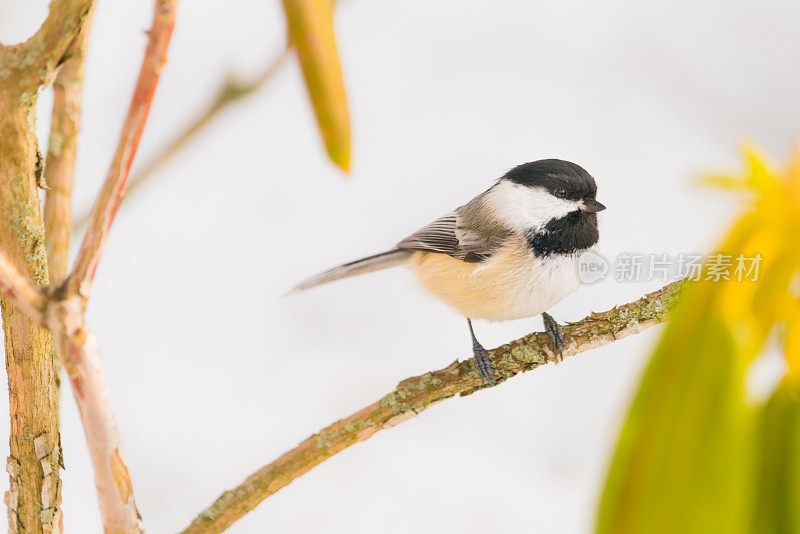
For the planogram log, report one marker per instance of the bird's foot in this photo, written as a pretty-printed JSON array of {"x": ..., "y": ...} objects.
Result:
[
  {"x": 556, "y": 335},
  {"x": 483, "y": 363},
  {"x": 482, "y": 360}
]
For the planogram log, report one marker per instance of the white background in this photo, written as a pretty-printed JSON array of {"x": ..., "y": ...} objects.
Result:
[{"x": 214, "y": 374}]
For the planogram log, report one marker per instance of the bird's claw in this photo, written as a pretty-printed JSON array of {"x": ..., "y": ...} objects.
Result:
[
  {"x": 483, "y": 363},
  {"x": 482, "y": 360},
  {"x": 556, "y": 335}
]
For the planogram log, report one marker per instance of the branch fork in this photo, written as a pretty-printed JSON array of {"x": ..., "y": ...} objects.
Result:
[{"x": 62, "y": 310}]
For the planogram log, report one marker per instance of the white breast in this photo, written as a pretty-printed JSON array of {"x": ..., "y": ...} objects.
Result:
[
  {"x": 540, "y": 285},
  {"x": 534, "y": 286},
  {"x": 512, "y": 284}
]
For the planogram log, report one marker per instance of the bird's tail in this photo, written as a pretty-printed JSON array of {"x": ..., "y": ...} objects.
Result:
[{"x": 377, "y": 262}]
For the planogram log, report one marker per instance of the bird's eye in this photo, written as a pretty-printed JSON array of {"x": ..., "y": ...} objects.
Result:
[{"x": 561, "y": 193}]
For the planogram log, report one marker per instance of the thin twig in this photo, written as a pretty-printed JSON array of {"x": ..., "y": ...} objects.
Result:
[
  {"x": 414, "y": 395},
  {"x": 78, "y": 350},
  {"x": 65, "y": 313},
  {"x": 108, "y": 201},
  {"x": 233, "y": 90},
  {"x": 59, "y": 169},
  {"x": 18, "y": 288},
  {"x": 57, "y": 177}
]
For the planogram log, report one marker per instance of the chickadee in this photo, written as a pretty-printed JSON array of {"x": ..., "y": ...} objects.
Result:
[{"x": 509, "y": 253}]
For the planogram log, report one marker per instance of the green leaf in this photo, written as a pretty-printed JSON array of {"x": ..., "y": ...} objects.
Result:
[
  {"x": 693, "y": 457},
  {"x": 777, "y": 507},
  {"x": 681, "y": 461},
  {"x": 310, "y": 26}
]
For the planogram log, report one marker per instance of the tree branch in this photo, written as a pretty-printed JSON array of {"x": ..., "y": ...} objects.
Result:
[
  {"x": 34, "y": 63},
  {"x": 414, "y": 395},
  {"x": 19, "y": 290},
  {"x": 34, "y": 444},
  {"x": 59, "y": 169},
  {"x": 113, "y": 191},
  {"x": 78, "y": 349},
  {"x": 57, "y": 178},
  {"x": 65, "y": 314},
  {"x": 33, "y": 498},
  {"x": 233, "y": 90}
]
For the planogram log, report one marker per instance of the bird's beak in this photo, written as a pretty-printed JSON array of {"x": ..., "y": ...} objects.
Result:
[{"x": 592, "y": 206}]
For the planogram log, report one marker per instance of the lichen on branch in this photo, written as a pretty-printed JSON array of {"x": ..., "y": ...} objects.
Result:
[
  {"x": 416, "y": 394},
  {"x": 32, "y": 385},
  {"x": 34, "y": 496},
  {"x": 34, "y": 63}
]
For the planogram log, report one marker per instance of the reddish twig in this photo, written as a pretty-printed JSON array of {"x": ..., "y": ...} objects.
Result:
[
  {"x": 113, "y": 191},
  {"x": 66, "y": 311},
  {"x": 81, "y": 358},
  {"x": 232, "y": 90}
]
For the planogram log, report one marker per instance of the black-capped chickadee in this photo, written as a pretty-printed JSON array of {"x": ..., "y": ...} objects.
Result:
[{"x": 509, "y": 253}]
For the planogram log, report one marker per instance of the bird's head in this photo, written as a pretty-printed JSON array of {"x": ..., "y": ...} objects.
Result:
[{"x": 531, "y": 195}]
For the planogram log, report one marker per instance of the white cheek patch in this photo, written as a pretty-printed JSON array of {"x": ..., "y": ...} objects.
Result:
[{"x": 525, "y": 208}]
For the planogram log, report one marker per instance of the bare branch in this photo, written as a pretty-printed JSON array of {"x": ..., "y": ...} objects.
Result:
[
  {"x": 233, "y": 90},
  {"x": 65, "y": 312},
  {"x": 33, "y": 498},
  {"x": 16, "y": 287},
  {"x": 34, "y": 62},
  {"x": 59, "y": 169},
  {"x": 414, "y": 395},
  {"x": 78, "y": 349},
  {"x": 113, "y": 191},
  {"x": 57, "y": 178}
]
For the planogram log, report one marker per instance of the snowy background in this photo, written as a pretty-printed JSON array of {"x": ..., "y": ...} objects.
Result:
[{"x": 209, "y": 382}]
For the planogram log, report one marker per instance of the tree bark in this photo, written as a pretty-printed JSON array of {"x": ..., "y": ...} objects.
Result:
[
  {"x": 33, "y": 499},
  {"x": 35, "y": 449}
]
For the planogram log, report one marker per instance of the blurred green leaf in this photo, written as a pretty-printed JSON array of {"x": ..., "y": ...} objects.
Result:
[
  {"x": 685, "y": 458},
  {"x": 310, "y": 26},
  {"x": 681, "y": 461},
  {"x": 777, "y": 507},
  {"x": 792, "y": 343}
]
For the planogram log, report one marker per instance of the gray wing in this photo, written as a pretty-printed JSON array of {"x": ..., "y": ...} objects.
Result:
[{"x": 462, "y": 234}]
